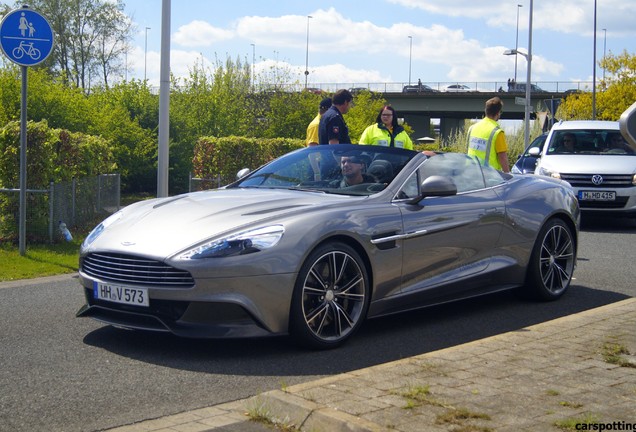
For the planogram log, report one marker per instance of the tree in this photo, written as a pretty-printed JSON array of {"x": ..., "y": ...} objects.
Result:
[
  {"x": 91, "y": 36},
  {"x": 113, "y": 37},
  {"x": 616, "y": 92}
]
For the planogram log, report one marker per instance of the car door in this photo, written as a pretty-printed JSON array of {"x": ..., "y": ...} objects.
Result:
[{"x": 448, "y": 238}]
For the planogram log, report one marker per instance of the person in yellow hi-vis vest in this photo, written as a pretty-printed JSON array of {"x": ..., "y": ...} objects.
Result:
[
  {"x": 386, "y": 131},
  {"x": 486, "y": 139}
]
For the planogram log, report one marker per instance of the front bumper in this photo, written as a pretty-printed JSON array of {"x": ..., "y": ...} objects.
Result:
[
  {"x": 623, "y": 205},
  {"x": 214, "y": 308}
]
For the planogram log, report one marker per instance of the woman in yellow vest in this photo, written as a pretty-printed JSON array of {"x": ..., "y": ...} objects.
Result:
[
  {"x": 386, "y": 131},
  {"x": 486, "y": 140}
]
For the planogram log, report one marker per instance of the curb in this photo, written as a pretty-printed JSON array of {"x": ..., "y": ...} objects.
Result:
[{"x": 289, "y": 409}]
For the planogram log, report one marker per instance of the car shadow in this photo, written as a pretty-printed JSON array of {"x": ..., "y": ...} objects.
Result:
[
  {"x": 379, "y": 340},
  {"x": 590, "y": 223}
]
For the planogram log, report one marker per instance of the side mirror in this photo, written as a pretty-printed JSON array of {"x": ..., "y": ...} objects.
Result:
[
  {"x": 435, "y": 185},
  {"x": 242, "y": 173},
  {"x": 627, "y": 124},
  {"x": 534, "y": 151}
]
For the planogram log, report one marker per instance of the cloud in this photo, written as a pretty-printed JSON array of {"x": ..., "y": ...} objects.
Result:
[
  {"x": 200, "y": 34},
  {"x": 339, "y": 47},
  {"x": 561, "y": 16}
]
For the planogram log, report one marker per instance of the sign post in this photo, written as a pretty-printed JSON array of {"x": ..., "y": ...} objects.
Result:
[{"x": 26, "y": 38}]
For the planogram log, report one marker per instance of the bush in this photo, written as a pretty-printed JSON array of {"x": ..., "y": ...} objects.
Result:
[
  {"x": 228, "y": 155},
  {"x": 53, "y": 155}
]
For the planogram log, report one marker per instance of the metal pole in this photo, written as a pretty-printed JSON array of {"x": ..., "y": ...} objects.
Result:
[
  {"x": 517, "y": 41},
  {"x": 604, "y": 48},
  {"x": 51, "y": 209},
  {"x": 526, "y": 135},
  {"x": 594, "y": 69},
  {"x": 164, "y": 103},
  {"x": 73, "y": 201},
  {"x": 99, "y": 192},
  {"x": 146, "y": 52},
  {"x": 23, "y": 161},
  {"x": 307, "y": 53},
  {"x": 410, "y": 53}
]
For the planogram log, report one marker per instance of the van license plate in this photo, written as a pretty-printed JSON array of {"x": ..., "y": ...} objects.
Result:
[{"x": 597, "y": 196}]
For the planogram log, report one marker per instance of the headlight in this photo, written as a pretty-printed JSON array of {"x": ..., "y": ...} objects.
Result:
[
  {"x": 634, "y": 180},
  {"x": 549, "y": 173},
  {"x": 90, "y": 238},
  {"x": 238, "y": 244}
]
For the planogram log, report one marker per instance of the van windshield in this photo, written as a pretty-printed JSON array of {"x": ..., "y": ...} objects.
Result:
[{"x": 589, "y": 141}]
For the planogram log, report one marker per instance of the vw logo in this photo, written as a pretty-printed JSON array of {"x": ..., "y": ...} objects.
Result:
[{"x": 597, "y": 179}]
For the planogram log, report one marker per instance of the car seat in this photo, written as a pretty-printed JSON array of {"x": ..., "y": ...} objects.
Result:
[{"x": 382, "y": 170}]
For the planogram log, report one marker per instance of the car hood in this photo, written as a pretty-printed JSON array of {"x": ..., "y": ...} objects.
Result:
[
  {"x": 163, "y": 227},
  {"x": 590, "y": 164}
]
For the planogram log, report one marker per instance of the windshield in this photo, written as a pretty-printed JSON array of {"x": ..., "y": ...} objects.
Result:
[
  {"x": 340, "y": 169},
  {"x": 589, "y": 141}
]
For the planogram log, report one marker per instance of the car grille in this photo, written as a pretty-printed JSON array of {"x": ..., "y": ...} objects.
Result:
[
  {"x": 613, "y": 181},
  {"x": 133, "y": 270},
  {"x": 618, "y": 204},
  {"x": 609, "y": 180}
]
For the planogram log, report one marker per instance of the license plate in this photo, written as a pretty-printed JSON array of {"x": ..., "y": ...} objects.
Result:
[
  {"x": 597, "y": 196},
  {"x": 120, "y": 294}
]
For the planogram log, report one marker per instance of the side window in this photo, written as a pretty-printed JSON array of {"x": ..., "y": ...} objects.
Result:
[
  {"x": 411, "y": 187},
  {"x": 469, "y": 176},
  {"x": 492, "y": 176},
  {"x": 465, "y": 172}
]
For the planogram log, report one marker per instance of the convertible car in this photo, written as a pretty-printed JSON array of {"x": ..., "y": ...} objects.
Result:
[{"x": 322, "y": 238}]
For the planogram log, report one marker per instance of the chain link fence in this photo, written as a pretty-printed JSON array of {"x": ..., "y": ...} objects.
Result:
[
  {"x": 196, "y": 184},
  {"x": 79, "y": 203}
]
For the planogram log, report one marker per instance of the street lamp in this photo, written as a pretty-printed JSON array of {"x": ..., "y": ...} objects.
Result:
[
  {"x": 517, "y": 40},
  {"x": 410, "y": 52},
  {"x": 146, "y": 53},
  {"x": 307, "y": 53},
  {"x": 594, "y": 68},
  {"x": 528, "y": 56}
]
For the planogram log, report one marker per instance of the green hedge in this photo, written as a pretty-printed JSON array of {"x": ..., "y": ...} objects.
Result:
[
  {"x": 226, "y": 156},
  {"x": 53, "y": 155}
]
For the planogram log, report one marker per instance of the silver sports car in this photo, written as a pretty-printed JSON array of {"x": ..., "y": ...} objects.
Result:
[{"x": 316, "y": 241}]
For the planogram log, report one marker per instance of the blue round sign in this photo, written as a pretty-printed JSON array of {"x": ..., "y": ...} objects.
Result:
[{"x": 26, "y": 37}]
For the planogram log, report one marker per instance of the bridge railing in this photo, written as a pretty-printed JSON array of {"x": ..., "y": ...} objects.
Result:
[{"x": 398, "y": 87}]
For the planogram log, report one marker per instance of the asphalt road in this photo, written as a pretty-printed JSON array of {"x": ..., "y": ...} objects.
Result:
[{"x": 61, "y": 373}]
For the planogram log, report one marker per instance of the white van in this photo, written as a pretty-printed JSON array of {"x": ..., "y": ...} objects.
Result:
[{"x": 596, "y": 160}]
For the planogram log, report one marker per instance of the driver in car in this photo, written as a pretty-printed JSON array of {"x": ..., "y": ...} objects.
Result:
[{"x": 353, "y": 172}]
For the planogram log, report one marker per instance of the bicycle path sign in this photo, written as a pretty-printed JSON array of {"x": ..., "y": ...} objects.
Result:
[{"x": 26, "y": 37}]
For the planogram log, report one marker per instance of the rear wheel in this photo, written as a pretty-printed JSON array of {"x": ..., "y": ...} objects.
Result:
[
  {"x": 552, "y": 262},
  {"x": 331, "y": 297}
]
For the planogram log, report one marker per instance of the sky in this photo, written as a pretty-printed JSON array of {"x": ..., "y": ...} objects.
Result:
[{"x": 355, "y": 43}]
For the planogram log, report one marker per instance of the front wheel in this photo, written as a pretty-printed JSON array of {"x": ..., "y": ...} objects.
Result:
[
  {"x": 552, "y": 261},
  {"x": 331, "y": 297}
]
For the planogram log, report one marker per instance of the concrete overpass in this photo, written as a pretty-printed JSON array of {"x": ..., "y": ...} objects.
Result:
[{"x": 453, "y": 109}]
